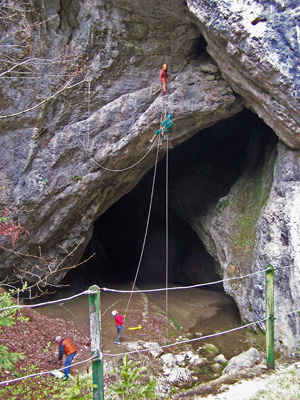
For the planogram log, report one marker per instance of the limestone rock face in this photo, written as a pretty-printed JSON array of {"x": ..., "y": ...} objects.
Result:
[
  {"x": 256, "y": 46},
  {"x": 77, "y": 141},
  {"x": 255, "y": 225}
]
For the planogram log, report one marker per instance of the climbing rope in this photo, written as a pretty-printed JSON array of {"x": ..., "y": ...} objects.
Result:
[
  {"x": 117, "y": 170},
  {"x": 146, "y": 230},
  {"x": 89, "y": 105},
  {"x": 167, "y": 229},
  {"x": 88, "y": 141},
  {"x": 158, "y": 140},
  {"x": 163, "y": 116}
]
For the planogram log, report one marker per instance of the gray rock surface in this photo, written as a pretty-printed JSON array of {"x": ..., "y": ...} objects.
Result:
[
  {"x": 86, "y": 148},
  {"x": 247, "y": 359},
  {"x": 83, "y": 99},
  {"x": 256, "y": 46}
]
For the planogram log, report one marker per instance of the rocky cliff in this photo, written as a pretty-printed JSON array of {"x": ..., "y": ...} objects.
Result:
[{"x": 81, "y": 98}]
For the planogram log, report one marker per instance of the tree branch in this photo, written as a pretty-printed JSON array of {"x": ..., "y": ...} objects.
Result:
[{"x": 66, "y": 86}]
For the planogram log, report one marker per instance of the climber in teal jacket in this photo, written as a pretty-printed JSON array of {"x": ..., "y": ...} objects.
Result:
[{"x": 165, "y": 127}]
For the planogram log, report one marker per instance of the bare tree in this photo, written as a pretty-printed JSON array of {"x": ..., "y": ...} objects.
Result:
[
  {"x": 40, "y": 270},
  {"x": 24, "y": 57}
]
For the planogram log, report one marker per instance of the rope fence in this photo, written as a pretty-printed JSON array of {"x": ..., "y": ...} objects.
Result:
[
  {"x": 44, "y": 372},
  {"x": 105, "y": 289},
  {"x": 188, "y": 341},
  {"x": 133, "y": 291},
  {"x": 47, "y": 302}
]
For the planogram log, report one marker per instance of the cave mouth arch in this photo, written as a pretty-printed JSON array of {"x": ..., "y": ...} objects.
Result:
[{"x": 201, "y": 171}]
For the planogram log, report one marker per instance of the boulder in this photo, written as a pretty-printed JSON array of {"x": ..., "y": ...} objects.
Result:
[
  {"x": 197, "y": 361},
  {"x": 220, "y": 359},
  {"x": 247, "y": 359},
  {"x": 154, "y": 348},
  {"x": 168, "y": 359},
  {"x": 216, "y": 367},
  {"x": 180, "y": 376}
]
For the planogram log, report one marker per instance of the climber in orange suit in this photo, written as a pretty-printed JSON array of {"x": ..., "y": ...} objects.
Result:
[
  {"x": 66, "y": 347},
  {"x": 163, "y": 76}
]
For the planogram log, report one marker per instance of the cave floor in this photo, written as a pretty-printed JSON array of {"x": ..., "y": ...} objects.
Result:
[{"x": 193, "y": 313}]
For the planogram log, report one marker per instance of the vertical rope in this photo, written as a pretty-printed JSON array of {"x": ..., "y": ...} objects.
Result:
[
  {"x": 146, "y": 230},
  {"x": 167, "y": 229},
  {"x": 89, "y": 97},
  {"x": 147, "y": 225}
]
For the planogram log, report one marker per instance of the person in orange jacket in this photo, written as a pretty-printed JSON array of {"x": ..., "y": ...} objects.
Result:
[
  {"x": 66, "y": 347},
  {"x": 163, "y": 76}
]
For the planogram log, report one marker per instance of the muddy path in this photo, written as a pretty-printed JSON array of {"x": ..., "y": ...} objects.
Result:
[{"x": 198, "y": 312}]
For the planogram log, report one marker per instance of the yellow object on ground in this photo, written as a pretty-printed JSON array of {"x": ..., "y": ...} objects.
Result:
[{"x": 135, "y": 327}]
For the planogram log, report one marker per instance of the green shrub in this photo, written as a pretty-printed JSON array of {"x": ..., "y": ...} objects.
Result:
[
  {"x": 133, "y": 383},
  {"x": 7, "y": 318},
  {"x": 77, "y": 389},
  {"x": 40, "y": 387}
]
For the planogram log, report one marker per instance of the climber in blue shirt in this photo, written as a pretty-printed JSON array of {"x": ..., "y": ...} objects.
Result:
[{"x": 165, "y": 127}]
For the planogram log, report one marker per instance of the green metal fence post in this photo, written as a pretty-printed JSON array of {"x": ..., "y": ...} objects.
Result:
[
  {"x": 95, "y": 330},
  {"x": 270, "y": 317}
]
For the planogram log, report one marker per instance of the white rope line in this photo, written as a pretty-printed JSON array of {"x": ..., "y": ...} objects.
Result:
[
  {"x": 167, "y": 227},
  {"x": 286, "y": 267},
  {"x": 45, "y": 372},
  {"x": 184, "y": 287},
  {"x": 147, "y": 350},
  {"x": 283, "y": 314},
  {"x": 89, "y": 106},
  {"x": 117, "y": 170},
  {"x": 148, "y": 218},
  {"x": 146, "y": 230},
  {"x": 47, "y": 302},
  {"x": 186, "y": 341},
  {"x": 86, "y": 292}
]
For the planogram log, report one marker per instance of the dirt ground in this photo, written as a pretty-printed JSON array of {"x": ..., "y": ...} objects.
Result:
[
  {"x": 35, "y": 337},
  {"x": 194, "y": 310}
]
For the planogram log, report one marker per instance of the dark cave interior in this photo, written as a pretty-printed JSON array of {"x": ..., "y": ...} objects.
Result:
[{"x": 200, "y": 172}]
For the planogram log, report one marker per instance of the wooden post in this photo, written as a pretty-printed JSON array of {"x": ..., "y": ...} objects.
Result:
[
  {"x": 270, "y": 317},
  {"x": 95, "y": 329}
]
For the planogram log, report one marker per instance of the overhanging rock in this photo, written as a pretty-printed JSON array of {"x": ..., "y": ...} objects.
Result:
[{"x": 256, "y": 46}]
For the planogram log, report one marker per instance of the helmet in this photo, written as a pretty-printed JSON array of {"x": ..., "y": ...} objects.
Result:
[
  {"x": 114, "y": 312},
  {"x": 169, "y": 116},
  {"x": 165, "y": 66},
  {"x": 58, "y": 338}
]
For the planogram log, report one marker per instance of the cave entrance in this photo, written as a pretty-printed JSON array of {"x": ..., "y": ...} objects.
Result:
[{"x": 201, "y": 171}]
